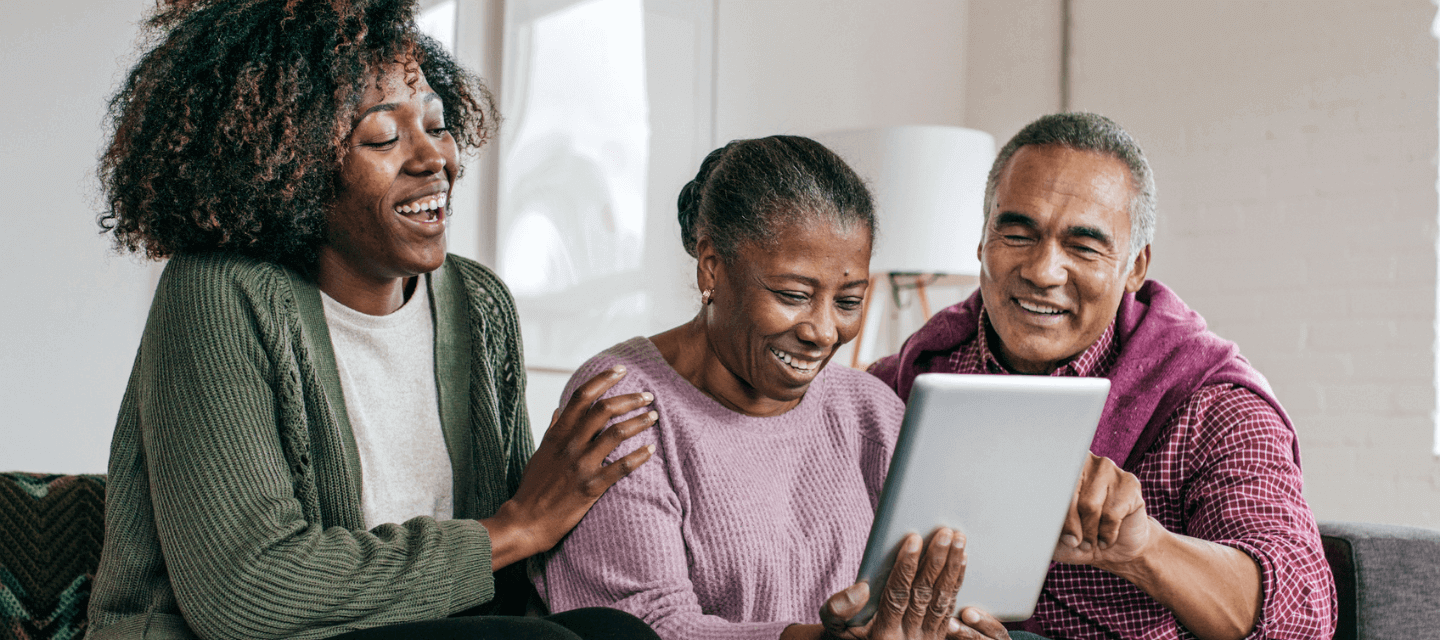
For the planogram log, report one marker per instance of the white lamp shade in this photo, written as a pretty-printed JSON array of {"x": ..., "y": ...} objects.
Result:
[{"x": 929, "y": 188}]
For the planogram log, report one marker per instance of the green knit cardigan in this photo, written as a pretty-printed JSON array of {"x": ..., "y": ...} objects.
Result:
[{"x": 233, "y": 505}]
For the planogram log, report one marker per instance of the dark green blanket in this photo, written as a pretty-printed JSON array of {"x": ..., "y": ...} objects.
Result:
[{"x": 51, "y": 529}]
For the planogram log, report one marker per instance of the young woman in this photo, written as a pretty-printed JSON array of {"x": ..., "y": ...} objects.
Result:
[{"x": 324, "y": 432}]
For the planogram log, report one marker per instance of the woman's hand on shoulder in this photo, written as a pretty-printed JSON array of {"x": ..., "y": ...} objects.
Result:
[
  {"x": 918, "y": 599},
  {"x": 568, "y": 472}
]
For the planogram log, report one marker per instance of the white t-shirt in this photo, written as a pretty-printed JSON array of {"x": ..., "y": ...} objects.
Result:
[{"x": 387, "y": 373}]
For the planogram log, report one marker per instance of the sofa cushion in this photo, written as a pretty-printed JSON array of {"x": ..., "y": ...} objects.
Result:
[
  {"x": 51, "y": 529},
  {"x": 1393, "y": 581}
]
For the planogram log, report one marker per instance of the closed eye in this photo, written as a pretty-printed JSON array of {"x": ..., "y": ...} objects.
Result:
[{"x": 791, "y": 297}]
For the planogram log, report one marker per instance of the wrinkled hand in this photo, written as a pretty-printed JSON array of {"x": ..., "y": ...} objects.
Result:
[
  {"x": 1107, "y": 525},
  {"x": 568, "y": 473},
  {"x": 919, "y": 597}
]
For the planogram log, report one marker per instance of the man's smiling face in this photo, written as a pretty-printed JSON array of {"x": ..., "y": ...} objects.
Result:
[{"x": 1055, "y": 257}]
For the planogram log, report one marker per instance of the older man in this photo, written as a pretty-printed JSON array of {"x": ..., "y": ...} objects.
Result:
[{"x": 1188, "y": 521}]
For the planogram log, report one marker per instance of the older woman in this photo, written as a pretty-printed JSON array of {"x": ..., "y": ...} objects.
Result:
[
  {"x": 751, "y": 520},
  {"x": 315, "y": 368}
]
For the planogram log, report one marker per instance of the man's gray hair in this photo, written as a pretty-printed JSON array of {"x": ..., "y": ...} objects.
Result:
[{"x": 1089, "y": 132}]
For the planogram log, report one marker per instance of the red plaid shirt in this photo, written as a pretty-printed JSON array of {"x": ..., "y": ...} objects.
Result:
[{"x": 1222, "y": 471}]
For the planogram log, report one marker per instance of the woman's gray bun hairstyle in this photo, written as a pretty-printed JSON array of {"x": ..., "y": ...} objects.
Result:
[{"x": 747, "y": 189}]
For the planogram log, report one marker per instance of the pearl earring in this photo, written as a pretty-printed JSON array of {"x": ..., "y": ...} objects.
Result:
[{"x": 706, "y": 296}]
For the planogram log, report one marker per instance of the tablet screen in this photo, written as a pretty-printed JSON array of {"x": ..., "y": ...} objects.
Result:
[{"x": 996, "y": 457}]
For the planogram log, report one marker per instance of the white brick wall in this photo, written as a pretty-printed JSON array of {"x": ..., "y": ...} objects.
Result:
[{"x": 1294, "y": 145}]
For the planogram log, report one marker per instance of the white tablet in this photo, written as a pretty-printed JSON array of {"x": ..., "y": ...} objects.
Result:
[{"x": 996, "y": 457}]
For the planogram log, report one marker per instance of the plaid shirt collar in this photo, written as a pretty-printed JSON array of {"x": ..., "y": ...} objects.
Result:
[{"x": 1094, "y": 362}]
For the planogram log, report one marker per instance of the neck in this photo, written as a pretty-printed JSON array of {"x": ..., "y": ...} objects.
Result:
[
  {"x": 368, "y": 295},
  {"x": 1016, "y": 365},
  {"x": 687, "y": 349}
]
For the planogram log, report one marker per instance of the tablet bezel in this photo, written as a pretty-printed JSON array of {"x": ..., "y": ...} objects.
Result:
[{"x": 1022, "y": 442}]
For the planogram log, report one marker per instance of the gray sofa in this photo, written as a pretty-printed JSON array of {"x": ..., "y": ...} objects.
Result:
[{"x": 1387, "y": 578}]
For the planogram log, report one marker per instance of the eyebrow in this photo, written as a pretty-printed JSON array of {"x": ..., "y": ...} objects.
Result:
[
  {"x": 816, "y": 283},
  {"x": 1092, "y": 233},
  {"x": 1011, "y": 217},
  {"x": 391, "y": 106}
]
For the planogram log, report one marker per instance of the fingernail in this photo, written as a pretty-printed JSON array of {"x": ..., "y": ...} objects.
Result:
[
  {"x": 971, "y": 616},
  {"x": 912, "y": 543},
  {"x": 652, "y": 416},
  {"x": 943, "y": 538},
  {"x": 959, "y": 542},
  {"x": 619, "y": 368},
  {"x": 647, "y": 397},
  {"x": 954, "y": 626},
  {"x": 1069, "y": 540},
  {"x": 852, "y": 595},
  {"x": 1084, "y": 546},
  {"x": 650, "y": 448}
]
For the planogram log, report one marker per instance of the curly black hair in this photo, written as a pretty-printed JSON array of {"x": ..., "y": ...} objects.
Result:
[{"x": 229, "y": 132}]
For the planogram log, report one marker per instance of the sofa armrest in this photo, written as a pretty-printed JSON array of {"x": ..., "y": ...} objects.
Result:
[{"x": 1387, "y": 578}]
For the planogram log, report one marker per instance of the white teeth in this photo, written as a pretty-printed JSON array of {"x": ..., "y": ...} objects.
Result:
[
  {"x": 790, "y": 360},
  {"x": 1035, "y": 308},
  {"x": 428, "y": 204}
]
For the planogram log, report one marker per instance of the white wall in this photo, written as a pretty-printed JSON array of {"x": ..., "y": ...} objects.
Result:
[
  {"x": 1013, "y": 49},
  {"x": 1294, "y": 144},
  {"x": 805, "y": 66},
  {"x": 73, "y": 311}
]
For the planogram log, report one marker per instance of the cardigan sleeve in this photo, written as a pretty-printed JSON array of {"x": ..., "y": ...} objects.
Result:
[{"x": 243, "y": 560}]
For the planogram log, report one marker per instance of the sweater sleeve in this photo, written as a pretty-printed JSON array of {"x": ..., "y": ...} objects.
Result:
[
  {"x": 243, "y": 560},
  {"x": 629, "y": 553},
  {"x": 1245, "y": 493}
]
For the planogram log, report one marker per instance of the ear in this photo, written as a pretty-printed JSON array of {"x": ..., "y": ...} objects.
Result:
[
  {"x": 707, "y": 264},
  {"x": 980, "y": 246},
  {"x": 1137, "y": 270}
]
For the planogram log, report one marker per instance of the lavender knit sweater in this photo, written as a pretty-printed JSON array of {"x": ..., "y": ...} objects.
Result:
[{"x": 738, "y": 526}]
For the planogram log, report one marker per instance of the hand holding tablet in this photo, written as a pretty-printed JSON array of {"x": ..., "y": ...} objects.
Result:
[
  {"x": 917, "y": 599},
  {"x": 998, "y": 458}
]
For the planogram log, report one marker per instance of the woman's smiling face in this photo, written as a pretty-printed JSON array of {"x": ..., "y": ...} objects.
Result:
[
  {"x": 389, "y": 218},
  {"x": 781, "y": 308}
]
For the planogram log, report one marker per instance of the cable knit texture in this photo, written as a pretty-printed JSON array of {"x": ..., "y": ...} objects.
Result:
[
  {"x": 738, "y": 526},
  {"x": 233, "y": 504}
]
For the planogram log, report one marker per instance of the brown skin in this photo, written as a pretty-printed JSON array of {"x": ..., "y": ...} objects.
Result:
[
  {"x": 1058, "y": 238},
  {"x": 398, "y": 150},
  {"x": 802, "y": 295},
  {"x": 1057, "y": 241}
]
